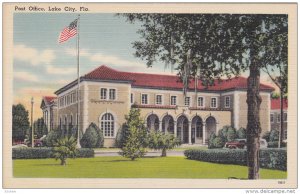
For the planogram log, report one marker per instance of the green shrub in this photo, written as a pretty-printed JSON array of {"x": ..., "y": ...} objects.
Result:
[
  {"x": 273, "y": 158},
  {"x": 218, "y": 142},
  {"x": 274, "y": 144},
  {"x": 85, "y": 153},
  {"x": 266, "y": 136},
  {"x": 210, "y": 140},
  {"x": 92, "y": 138},
  {"x": 241, "y": 133},
  {"x": 31, "y": 153},
  {"x": 269, "y": 158},
  {"x": 227, "y": 133},
  {"x": 122, "y": 136},
  {"x": 52, "y": 137},
  {"x": 37, "y": 153},
  {"x": 274, "y": 135}
]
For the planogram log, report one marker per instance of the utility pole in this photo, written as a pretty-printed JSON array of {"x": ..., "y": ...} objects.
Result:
[{"x": 32, "y": 130}]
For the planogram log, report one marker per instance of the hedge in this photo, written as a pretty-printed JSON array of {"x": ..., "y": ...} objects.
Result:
[
  {"x": 271, "y": 158},
  {"x": 274, "y": 144},
  {"x": 38, "y": 153}
]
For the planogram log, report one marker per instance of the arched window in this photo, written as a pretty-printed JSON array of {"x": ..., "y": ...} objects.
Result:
[{"x": 107, "y": 125}]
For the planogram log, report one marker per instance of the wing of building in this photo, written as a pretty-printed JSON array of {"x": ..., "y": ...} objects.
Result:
[
  {"x": 275, "y": 115},
  {"x": 106, "y": 96}
]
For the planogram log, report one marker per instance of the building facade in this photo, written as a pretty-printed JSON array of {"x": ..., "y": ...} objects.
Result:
[
  {"x": 275, "y": 116},
  {"x": 106, "y": 96},
  {"x": 49, "y": 108}
]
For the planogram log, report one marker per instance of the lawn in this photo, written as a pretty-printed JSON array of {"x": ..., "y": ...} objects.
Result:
[{"x": 119, "y": 167}]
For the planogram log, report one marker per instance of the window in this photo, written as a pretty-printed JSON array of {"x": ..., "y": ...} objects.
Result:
[
  {"x": 213, "y": 102},
  {"x": 227, "y": 101},
  {"x": 200, "y": 101},
  {"x": 187, "y": 101},
  {"x": 112, "y": 94},
  {"x": 144, "y": 98},
  {"x": 285, "y": 134},
  {"x": 131, "y": 98},
  {"x": 285, "y": 117},
  {"x": 272, "y": 118},
  {"x": 103, "y": 92},
  {"x": 107, "y": 125},
  {"x": 278, "y": 117},
  {"x": 173, "y": 100},
  {"x": 158, "y": 99}
]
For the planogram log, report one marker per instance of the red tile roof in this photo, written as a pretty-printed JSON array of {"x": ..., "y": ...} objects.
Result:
[
  {"x": 165, "y": 81},
  {"x": 49, "y": 99},
  {"x": 275, "y": 104}
]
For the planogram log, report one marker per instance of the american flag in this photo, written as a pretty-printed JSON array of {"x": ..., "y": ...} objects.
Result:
[{"x": 68, "y": 32}]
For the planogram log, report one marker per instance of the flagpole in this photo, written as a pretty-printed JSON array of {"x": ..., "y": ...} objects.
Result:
[{"x": 78, "y": 82}]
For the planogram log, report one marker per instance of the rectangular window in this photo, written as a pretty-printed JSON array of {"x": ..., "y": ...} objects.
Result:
[
  {"x": 278, "y": 117},
  {"x": 213, "y": 102},
  {"x": 200, "y": 101},
  {"x": 227, "y": 101},
  {"x": 187, "y": 101},
  {"x": 272, "y": 118},
  {"x": 112, "y": 94},
  {"x": 131, "y": 98},
  {"x": 173, "y": 100},
  {"x": 103, "y": 93},
  {"x": 285, "y": 117},
  {"x": 158, "y": 99},
  {"x": 285, "y": 134},
  {"x": 144, "y": 98}
]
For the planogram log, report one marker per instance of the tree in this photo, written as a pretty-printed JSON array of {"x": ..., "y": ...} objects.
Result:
[
  {"x": 211, "y": 46},
  {"x": 40, "y": 128},
  {"x": 122, "y": 136},
  {"x": 275, "y": 95},
  {"x": 160, "y": 141},
  {"x": 281, "y": 82},
  {"x": 20, "y": 122},
  {"x": 136, "y": 142},
  {"x": 52, "y": 137},
  {"x": 227, "y": 133},
  {"x": 241, "y": 133},
  {"x": 92, "y": 138},
  {"x": 65, "y": 148}
]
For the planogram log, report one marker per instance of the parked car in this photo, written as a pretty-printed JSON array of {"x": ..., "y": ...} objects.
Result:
[
  {"x": 38, "y": 143},
  {"x": 237, "y": 143},
  {"x": 242, "y": 143}
]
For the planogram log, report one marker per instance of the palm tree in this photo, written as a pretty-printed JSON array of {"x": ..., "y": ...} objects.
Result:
[{"x": 65, "y": 148}]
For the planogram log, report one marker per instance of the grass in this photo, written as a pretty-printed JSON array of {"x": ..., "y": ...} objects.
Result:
[{"x": 119, "y": 167}]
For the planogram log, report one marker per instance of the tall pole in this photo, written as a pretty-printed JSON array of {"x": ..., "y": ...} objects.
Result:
[
  {"x": 78, "y": 82},
  {"x": 32, "y": 129}
]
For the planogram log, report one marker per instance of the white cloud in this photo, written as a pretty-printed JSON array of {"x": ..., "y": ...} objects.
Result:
[
  {"x": 32, "y": 55},
  {"x": 73, "y": 52},
  {"x": 60, "y": 71},
  {"x": 105, "y": 59},
  {"x": 25, "y": 76}
]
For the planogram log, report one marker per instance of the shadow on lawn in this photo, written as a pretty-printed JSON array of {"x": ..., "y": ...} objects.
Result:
[
  {"x": 128, "y": 160},
  {"x": 48, "y": 165}
]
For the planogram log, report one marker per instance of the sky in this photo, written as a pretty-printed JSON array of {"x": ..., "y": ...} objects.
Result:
[{"x": 41, "y": 65}]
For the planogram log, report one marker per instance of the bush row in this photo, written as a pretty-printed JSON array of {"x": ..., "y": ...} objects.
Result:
[
  {"x": 271, "y": 158},
  {"x": 274, "y": 144},
  {"x": 38, "y": 153}
]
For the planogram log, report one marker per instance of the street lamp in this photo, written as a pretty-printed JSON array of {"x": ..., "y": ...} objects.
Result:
[{"x": 32, "y": 129}]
